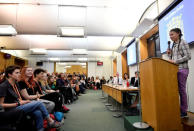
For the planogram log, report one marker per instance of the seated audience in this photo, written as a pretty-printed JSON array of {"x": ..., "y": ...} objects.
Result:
[
  {"x": 102, "y": 81},
  {"x": 117, "y": 80},
  {"x": 97, "y": 82},
  {"x": 51, "y": 83},
  {"x": 126, "y": 80},
  {"x": 88, "y": 82},
  {"x": 81, "y": 85},
  {"x": 26, "y": 85},
  {"x": 83, "y": 82},
  {"x": 2, "y": 76},
  {"x": 92, "y": 83},
  {"x": 60, "y": 82},
  {"x": 135, "y": 80},
  {"x": 135, "y": 83},
  {"x": 54, "y": 96},
  {"x": 10, "y": 99},
  {"x": 110, "y": 81}
]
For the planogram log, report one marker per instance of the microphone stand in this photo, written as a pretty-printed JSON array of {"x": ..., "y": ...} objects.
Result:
[{"x": 140, "y": 124}]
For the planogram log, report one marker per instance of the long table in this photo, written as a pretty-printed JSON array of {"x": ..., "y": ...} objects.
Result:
[{"x": 116, "y": 92}]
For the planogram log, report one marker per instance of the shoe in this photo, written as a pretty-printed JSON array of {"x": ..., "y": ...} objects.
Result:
[
  {"x": 184, "y": 115},
  {"x": 54, "y": 125},
  {"x": 63, "y": 121},
  {"x": 65, "y": 108}
]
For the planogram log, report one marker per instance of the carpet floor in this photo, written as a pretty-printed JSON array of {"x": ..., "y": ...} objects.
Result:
[{"x": 88, "y": 113}]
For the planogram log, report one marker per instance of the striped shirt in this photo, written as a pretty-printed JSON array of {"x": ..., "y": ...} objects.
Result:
[{"x": 182, "y": 55}]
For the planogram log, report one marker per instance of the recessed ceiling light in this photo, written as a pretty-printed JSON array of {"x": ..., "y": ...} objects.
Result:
[
  {"x": 7, "y": 30},
  {"x": 71, "y": 31},
  {"x": 54, "y": 59}
]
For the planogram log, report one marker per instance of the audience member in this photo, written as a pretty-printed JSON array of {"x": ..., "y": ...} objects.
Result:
[
  {"x": 26, "y": 85},
  {"x": 10, "y": 99}
]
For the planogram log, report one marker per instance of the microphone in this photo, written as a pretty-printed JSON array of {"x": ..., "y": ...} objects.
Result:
[
  {"x": 168, "y": 50},
  {"x": 168, "y": 45}
]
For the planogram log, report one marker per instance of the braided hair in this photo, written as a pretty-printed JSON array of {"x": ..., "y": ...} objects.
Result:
[{"x": 178, "y": 31}]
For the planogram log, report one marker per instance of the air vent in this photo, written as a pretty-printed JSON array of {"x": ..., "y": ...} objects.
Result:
[
  {"x": 79, "y": 54},
  {"x": 38, "y": 54}
]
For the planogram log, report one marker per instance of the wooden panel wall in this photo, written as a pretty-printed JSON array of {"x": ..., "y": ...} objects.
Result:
[
  {"x": 114, "y": 67},
  {"x": 12, "y": 61},
  {"x": 76, "y": 69},
  {"x": 5, "y": 62},
  {"x": 55, "y": 67},
  {"x": 2, "y": 62},
  {"x": 143, "y": 42},
  {"x": 87, "y": 69},
  {"x": 125, "y": 68}
]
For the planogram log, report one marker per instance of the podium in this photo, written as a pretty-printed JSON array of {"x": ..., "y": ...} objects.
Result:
[{"x": 159, "y": 94}]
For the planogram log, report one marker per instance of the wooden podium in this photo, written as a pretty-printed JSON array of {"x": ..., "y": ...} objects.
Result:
[{"x": 159, "y": 94}]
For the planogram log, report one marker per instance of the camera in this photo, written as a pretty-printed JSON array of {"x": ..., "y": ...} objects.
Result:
[{"x": 2, "y": 47}]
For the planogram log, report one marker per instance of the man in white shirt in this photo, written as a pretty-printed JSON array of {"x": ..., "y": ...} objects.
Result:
[{"x": 118, "y": 80}]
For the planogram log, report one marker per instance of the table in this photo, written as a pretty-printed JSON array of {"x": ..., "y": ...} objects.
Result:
[{"x": 116, "y": 92}]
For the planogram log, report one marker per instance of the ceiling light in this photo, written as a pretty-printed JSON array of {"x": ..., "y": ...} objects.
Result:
[
  {"x": 54, "y": 59},
  {"x": 71, "y": 31},
  {"x": 82, "y": 59},
  {"x": 7, "y": 30},
  {"x": 38, "y": 51},
  {"x": 83, "y": 64},
  {"x": 80, "y": 51},
  {"x": 67, "y": 66},
  {"x": 62, "y": 63}
]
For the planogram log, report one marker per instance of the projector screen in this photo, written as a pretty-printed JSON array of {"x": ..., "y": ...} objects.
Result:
[
  {"x": 179, "y": 17},
  {"x": 131, "y": 54}
]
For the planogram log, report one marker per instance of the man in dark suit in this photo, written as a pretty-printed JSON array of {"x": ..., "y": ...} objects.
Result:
[
  {"x": 133, "y": 110},
  {"x": 135, "y": 80},
  {"x": 135, "y": 83}
]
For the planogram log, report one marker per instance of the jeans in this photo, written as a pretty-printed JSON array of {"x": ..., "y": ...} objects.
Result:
[
  {"x": 38, "y": 110},
  {"x": 182, "y": 79},
  {"x": 48, "y": 104}
]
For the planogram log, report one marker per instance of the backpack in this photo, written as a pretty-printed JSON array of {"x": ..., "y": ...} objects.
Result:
[{"x": 58, "y": 116}]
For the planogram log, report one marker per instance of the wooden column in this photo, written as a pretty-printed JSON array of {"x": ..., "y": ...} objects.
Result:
[
  {"x": 125, "y": 68},
  {"x": 55, "y": 70},
  {"x": 115, "y": 67},
  {"x": 87, "y": 69}
]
